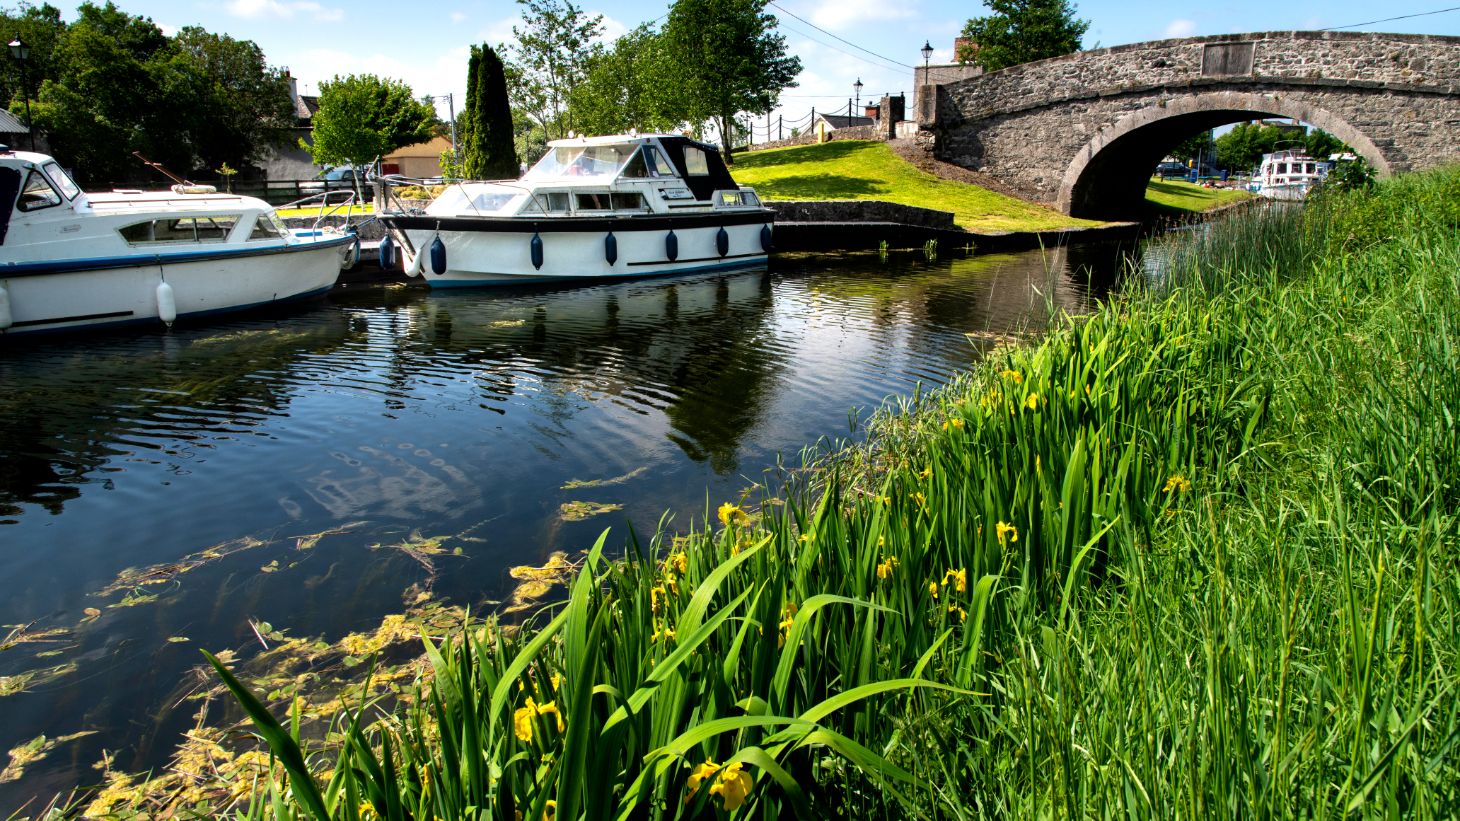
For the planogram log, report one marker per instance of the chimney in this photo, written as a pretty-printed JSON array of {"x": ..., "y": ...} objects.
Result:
[
  {"x": 963, "y": 49},
  {"x": 872, "y": 110},
  {"x": 293, "y": 86}
]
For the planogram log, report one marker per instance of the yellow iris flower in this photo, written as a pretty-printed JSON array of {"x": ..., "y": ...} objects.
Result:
[
  {"x": 733, "y": 515},
  {"x": 1007, "y": 531},
  {"x": 957, "y": 579},
  {"x": 733, "y": 786},
  {"x": 884, "y": 570}
]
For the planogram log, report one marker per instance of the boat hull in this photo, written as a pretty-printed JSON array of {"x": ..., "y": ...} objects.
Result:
[
  {"x": 502, "y": 252},
  {"x": 70, "y": 295}
]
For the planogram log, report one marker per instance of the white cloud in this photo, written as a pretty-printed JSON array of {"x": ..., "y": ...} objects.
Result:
[
  {"x": 458, "y": 17},
  {"x": 841, "y": 14},
  {"x": 1179, "y": 28},
  {"x": 612, "y": 29},
  {"x": 446, "y": 74},
  {"x": 282, "y": 10},
  {"x": 167, "y": 31}
]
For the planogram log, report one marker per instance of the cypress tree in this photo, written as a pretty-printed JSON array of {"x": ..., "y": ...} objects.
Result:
[{"x": 487, "y": 150}]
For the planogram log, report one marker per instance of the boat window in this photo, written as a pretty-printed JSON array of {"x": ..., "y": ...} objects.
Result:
[
  {"x": 636, "y": 168},
  {"x": 265, "y": 228},
  {"x": 212, "y": 228},
  {"x": 694, "y": 162},
  {"x": 61, "y": 180},
  {"x": 630, "y": 201},
  {"x": 731, "y": 198},
  {"x": 594, "y": 201},
  {"x": 38, "y": 193},
  {"x": 1282, "y": 168},
  {"x": 581, "y": 161},
  {"x": 658, "y": 162},
  {"x": 557, "y": 201}
]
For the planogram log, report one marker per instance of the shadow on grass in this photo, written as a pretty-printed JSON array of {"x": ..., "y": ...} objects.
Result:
[
  {"x": 821, "y": 152},
  {"x": 818, "y": 187}
]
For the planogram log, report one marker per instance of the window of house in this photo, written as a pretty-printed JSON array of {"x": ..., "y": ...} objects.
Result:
[
  {"x": 694, "y": 162},
  {"x": 38, "y": 193}
]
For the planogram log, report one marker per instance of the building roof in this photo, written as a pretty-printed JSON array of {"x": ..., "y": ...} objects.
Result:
[
  {"x": 431, "y": 149},
  {"x": 10, "y": 124},
  {"x": 843, "y": 121},
  {"x": 305, "y": 105}
]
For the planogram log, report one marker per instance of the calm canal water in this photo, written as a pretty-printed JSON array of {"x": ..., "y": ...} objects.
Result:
[{"x": 391, "y": 413}]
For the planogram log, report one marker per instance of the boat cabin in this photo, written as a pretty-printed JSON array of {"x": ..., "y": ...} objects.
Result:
[{"x": 606, "y": 176}]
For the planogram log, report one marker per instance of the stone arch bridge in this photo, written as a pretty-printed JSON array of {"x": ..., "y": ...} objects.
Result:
[{"x": 1084, "y": 132}]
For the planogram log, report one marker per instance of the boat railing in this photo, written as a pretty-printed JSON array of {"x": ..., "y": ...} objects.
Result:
[
  {"x": 388, "y": 189},
  {"x": 346, "y": 204}
]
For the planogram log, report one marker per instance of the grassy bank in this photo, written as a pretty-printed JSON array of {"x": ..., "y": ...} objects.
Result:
[
  {"x": 1192, "y": 556},
  {"x": 863, "y": 170},
  {"x": 1182, "y": 198}
]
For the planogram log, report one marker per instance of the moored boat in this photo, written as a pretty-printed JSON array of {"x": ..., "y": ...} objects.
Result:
[
  {"x": 71, "y": 260},
  {"x": 629, "y": 205},
  {"x": 1289, "y": 174}
]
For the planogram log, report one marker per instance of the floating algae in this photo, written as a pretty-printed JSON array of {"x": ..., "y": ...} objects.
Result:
[
  {"x": 421, "y": 548},
  {"x": 22, "y": 634},
  {"x": 578, "y": 511},
  {"x": 133, "y": 578},
  {"x": 309, "y": 541},
  {"x": 537, "y": 582},
  {"x": 574, "y": 484},
  {"x": 21, "y": 682},
  {"x": 33, "y": 751}
]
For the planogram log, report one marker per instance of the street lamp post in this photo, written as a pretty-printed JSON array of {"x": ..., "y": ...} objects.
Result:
[
  {"x": 927, "y": 55},
  {"x": 857, "y": 86},
  {"x": 21, "y": 52}
]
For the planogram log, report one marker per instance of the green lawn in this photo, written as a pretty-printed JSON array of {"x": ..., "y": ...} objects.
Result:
[
  {"x": 859, "y": 170},
  {"x": 1180, "y": 196}
]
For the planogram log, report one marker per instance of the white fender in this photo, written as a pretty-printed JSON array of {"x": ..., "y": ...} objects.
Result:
[
  {"x": 414, "y": 266},
  {"x": 166, "y": 304},
  {"x": 6, "y": 320}
]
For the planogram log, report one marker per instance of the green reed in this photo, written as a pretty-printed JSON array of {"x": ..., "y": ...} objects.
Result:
[{"x": 1193, "y": 555}]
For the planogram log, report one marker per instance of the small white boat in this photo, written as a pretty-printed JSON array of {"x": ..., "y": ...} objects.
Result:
[
  {"x": 72, "y": 260},
  {"x": 630, "y": 205},
  {"x": 1289, "y": 175}
]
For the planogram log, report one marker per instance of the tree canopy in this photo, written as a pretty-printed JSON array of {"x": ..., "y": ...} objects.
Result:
[
  {"x": 111, "y": 83},
  {"x": 487, "y": 149},
  {"x": 1021, "y": 31},
  {"x": 1241, "y": 149},
  {"x": 632, "y": 84},
  {"x": 728, "y": 58},
  {"x": 549, "y": 61},
  {"x": 362, "y": 117}
]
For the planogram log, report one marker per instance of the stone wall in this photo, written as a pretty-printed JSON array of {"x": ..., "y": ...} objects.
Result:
[
  {"x": 859, "y": 211},
  {"x": 1044, "y": 127}
]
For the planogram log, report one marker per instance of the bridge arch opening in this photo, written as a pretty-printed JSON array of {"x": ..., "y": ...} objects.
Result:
[{"x": 1108, "y": 177}]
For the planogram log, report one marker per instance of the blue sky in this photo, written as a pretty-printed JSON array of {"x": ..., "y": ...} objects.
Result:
[{"x": 425, "y": 44}]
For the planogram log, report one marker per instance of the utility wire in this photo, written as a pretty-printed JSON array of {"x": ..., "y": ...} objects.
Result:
[
  {"x": 848, "y": 42},
  {"x": 1386, "y": 19}
]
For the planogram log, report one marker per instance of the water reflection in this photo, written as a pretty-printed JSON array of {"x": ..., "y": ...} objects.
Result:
[{"x": 392, "y": 414}]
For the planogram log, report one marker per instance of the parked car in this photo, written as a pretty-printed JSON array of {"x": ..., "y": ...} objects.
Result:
[{"x": 337, "y": 178}]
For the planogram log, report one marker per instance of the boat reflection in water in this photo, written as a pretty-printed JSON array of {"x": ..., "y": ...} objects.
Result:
[{"x": 466, "y": 418}]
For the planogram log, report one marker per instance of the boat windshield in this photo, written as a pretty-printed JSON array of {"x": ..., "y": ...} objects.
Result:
[{"x": 581, "y": 162}]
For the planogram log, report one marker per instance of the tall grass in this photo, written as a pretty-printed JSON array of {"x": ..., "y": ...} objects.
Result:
[{"x": 1192, "y": 556}]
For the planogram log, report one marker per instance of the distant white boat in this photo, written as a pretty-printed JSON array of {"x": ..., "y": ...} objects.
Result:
[
  {"x": 71, "y": 260},
  {"x": 1289, "y": 175},
  {"x": 630, "y": 205}
]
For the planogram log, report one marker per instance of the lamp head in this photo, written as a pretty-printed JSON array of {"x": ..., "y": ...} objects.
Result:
[
  {"x": 927, "y": 50},
  {"x": 19, "y": 50}
]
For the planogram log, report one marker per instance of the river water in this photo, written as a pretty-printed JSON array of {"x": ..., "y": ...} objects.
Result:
[{"x": 209, "y": 459}]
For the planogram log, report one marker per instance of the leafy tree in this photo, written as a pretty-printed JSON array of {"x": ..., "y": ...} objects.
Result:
[
  {"x": 1348, "y": 175},
  {"x": 1020, "y": 31},
  {"x": 111, "y": 83},
  {"x": 550, "y": 60},
  {"x": 487, "y": 150},
  {"x": 362, "y": 116},
  {"x": 1242, "y": 148},
  {"x": 240, "y": 104},
  {"x": 1197, "y": 145},
  {"x": 729, "y": 59},
  {"x": 1319, "y": 144},
  {"x": 633, "y": 84}
]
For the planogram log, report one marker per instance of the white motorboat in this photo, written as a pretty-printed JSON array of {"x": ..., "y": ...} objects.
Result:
[
  {"x": 1289, "y": 174},
  {"x": 71, "y": 260},
  {"x": 630, "y": 205}
]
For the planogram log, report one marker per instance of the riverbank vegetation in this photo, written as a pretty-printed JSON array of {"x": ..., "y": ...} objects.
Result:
[
  {"x": 1192, "y": 555},
  {"x": 866, "y": 170},
  {"x": 1179, "y": 198}
]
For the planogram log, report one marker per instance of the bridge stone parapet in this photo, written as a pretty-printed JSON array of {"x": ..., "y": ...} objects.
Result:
[{"x": 1084, "y": 131}]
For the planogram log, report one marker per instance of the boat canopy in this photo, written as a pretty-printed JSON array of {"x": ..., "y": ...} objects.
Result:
[{"x": 699, "y": 165}]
